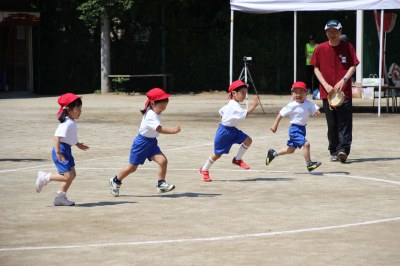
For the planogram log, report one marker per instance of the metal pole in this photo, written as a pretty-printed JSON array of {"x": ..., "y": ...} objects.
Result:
[
  {"x": 245, "y": 81},
  {"x": 231, "y": 50},
  {"x": 359, "y": 45},
  {"x": 380, "y": 61},
  {"x": 295, "y": 46}
]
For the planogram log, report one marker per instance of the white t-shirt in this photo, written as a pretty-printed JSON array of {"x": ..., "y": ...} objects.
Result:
[
  {"x": 150, "y": 122},
  {"x": 299, "y": 112},
  {"x": 232, "y": 113},
  {"x": 68, "y": 131}
]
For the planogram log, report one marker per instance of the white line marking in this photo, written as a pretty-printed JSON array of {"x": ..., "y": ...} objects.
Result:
[
  {"x": 344, "y": 175},
  {"x": 366, "y": 178},
  {"x": 115, "y": 156},
  {"x": 204, "y": 239}
]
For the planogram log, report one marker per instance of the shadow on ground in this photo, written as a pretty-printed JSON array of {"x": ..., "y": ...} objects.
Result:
[
  {"x": 22, "y": 160},
  {"x": 183, "y": 195},
  {"x": 103, "y": 203}
]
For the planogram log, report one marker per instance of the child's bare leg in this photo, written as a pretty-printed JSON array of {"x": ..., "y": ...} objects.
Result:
[
  {"x": 124, "y": 172},
  {"x": 216, "y": 157},
  {"x": 248, "y": 142},
  {"x": 287, "y": 150},
  {"x": 162, "y": 185},
  {"x": 163, "y": 163},
  {"x": 306, "y": 151},
  {"x": 65, "y": 179}
]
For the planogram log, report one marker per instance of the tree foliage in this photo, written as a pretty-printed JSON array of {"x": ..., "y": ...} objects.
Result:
[
  {"x": 186, "y": 38},
  {"x": 92, "y": 11}
]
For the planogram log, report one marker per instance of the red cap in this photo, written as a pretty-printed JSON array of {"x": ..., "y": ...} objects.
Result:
[
  {"x": 236, "y": 84},
  {"x": 156, "y": 94},
  {"x": 64, "y": 100},
  {"x": 300, "y": 85}
]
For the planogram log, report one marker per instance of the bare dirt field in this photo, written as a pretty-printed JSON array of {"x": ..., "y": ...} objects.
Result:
[{"x": 280, "y": 214}]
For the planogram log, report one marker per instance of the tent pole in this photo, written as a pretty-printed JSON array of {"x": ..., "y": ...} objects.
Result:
[
  {"x": 295, "y": 47},
  {"x": 231, "y": 50},
  {"x": 380, "y": 62},
  {"x": 359, "y": 45}
]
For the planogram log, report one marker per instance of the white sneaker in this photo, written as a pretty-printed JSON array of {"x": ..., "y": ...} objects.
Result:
[
  {"x": 42, "y": 179},
  {"x": 164, "y": 187},
  {"x": 114, "y": 187},
  {"x": 63, "y": 201}
]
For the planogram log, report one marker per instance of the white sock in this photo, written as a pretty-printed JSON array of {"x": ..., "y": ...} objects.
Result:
[
  {"x": 243, "y": 148},
  {"x": 61, "y": 194},
  {"x": 47, "y": 177},
  {"x": 207, "y": 164}
]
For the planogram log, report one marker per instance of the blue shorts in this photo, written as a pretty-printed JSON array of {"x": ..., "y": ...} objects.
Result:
[
  {"x": 63, "y": 166},
  {"x": 226, "y": 137},
  {"x": 297, "y": 136},
  {"x": 143, "y": 148}
]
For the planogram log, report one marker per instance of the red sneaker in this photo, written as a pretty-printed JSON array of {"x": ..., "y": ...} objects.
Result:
[
  {"x": 205, "y": 175},
  {"x": 240, "y": 163}
]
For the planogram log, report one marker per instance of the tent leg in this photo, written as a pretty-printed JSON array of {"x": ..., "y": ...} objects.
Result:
[
  {"x": 380, "y": 61},
  {"x": 231, "y": 49},
  {"x": 295, "y": 46}
]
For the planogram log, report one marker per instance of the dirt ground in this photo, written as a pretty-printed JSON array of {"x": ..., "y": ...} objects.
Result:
[{"x": 340, "y": 214}]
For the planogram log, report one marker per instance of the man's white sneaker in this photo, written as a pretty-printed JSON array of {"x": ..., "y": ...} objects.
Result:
[
  {"x": 114, "y": 187},
  {"x": 42, "y": 179},
  {"x": 63, "y": 201},
  {"x": 164, "y": 187}
]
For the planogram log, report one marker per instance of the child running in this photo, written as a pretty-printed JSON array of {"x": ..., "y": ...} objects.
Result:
[
  {"x": 66, "y": 135},
  {"x": 299, "y": 109},
  {"x": 145, "y": 145},
  {"x": 227, "y": 133}
]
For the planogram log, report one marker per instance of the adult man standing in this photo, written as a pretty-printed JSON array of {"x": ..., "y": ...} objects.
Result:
[{"x": 335, "y": 62}]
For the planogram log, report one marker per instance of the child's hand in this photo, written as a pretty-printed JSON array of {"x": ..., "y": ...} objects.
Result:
[
  {"x": 274, "y": 128},
  {"x": 82, "y": 146},
  {"x": 317, "y": 113},
  {"x": 60, "y": 157},
  {"x": 256, "y": 100},
  {"x": 177, "y": 130}
]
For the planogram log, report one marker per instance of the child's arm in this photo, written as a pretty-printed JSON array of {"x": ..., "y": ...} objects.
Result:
[
  {"x": 56, "y": 145},
  {"x": 162, "y": 130},
  {"x": 82, "y": 146},
  {"x": 256, "y": 101},
  {"x": 274, "y": 127}
]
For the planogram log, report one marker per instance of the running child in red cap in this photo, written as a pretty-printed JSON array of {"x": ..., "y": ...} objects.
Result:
[
  {"x": 299, "y": 110},
  {"x": 227, "y": 132},
  {"x": 145, "y": 145},
  {"x": 66, "y": 135}
]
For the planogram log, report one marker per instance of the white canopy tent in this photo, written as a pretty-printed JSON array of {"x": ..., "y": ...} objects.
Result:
[{"x": 273, "y": 6}]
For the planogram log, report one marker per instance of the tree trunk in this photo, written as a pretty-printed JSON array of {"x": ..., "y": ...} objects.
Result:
[{"x": 105, "y": 56}]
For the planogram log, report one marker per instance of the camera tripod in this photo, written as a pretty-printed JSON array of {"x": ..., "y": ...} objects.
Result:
[{"x": 245, "y": 73}]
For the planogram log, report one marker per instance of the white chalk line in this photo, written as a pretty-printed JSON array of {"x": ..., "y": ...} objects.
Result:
[
  {"x": 108, "y": 157},
  {"x": 95, "y": 159},
  {"x": 203, "y": 239},
  {"x": 349, "y": 176},
  {"x": 219, "y": 170}
]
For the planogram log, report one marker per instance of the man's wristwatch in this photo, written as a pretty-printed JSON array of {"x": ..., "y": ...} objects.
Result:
[{"x": 345, "y": 79}]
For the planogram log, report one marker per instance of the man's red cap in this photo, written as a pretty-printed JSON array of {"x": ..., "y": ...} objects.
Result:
[
  {"x": 236, "y": 84},
  {"x": 300, "y": 85},
  {"x": 64, "y": 100},
  {"x": 156, "y": 94}
]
